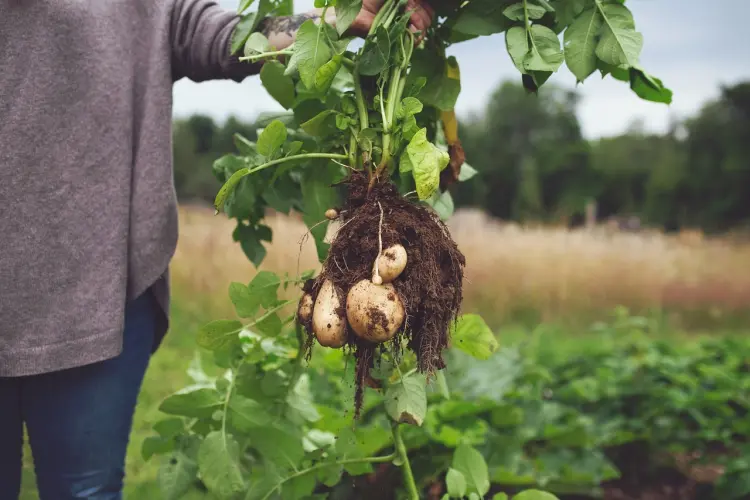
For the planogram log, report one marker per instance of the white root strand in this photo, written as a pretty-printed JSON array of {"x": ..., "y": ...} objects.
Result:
[{"x": 376, "y": 279}]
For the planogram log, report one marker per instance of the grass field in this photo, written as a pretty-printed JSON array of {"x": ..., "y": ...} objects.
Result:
[{"x": 515, "y": 277}]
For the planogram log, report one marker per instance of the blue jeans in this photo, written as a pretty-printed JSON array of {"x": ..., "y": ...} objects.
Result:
[{"x": 78, "y": 420}]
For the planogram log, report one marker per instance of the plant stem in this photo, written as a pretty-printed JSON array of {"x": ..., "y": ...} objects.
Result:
[
  {"x": 411, "y": 485},
  {"x": 285, "y": 52},
  {"x": 384, "y": 10},
  {"x": 350, "y": 461},
  {"x": 332, "y": 156}
]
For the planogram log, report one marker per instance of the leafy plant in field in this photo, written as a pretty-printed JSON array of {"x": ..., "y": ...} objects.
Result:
[{"x": 380, "y": 122}]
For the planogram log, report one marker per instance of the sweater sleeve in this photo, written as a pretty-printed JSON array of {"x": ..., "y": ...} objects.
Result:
[{"x": 201, "y": 37}]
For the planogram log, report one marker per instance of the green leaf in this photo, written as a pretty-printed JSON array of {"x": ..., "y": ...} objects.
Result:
[
  {"x": 545, "y": 53},
  {"x": 327, "y": 73},
  {"x": 311, "y": 51},
  {"x": 218, "y": 462},
  {"x": 517, "y": 44},
  {"x": 257, "y": 43},
  {"x": 472, "y": 335},
  {"x": 469, "y": 462},
  {"x": 566, "y": 12},
  {"x": 534, "y": 495},
  {"x": 440, "y": 90},
  {"x": 346, "y": 13},
  {"x": 220, "y": 333},
  {"x": 443, "y": 205},
  {"x": 318, "y": 196},
  {"x": 414, "y": 86},
  {"x": 500, "y": 496},
  {"x": 516, "y": 11},
  {"x": 200, "y": 403},
  {"x": 410, "y": 127},
  {"x": 272, "y": 138},
  {"x": 250, "y": 238},
  {"x": 169, "y": 427},
  {"x": 427, "y": 161},
  {"x": 244, "y": 145},
  {"x": 242, "y": 31},
  {"x": 264, "y": 287},
  {"x": 620, "y": 43},
  {"x": 321, "y": 125},
  {"x": 443, "y": 384},
  {"x": 481, "y": 18},
  {"x": 456, "y": 483},
  {"x": 244, "y": 5},
  {"x": 298, "y": 488},
  {"x": 176, "y": 475},
  {"x": 228, "y": 187},
  {"x": 277, "y": 84},
  {"x": 580, "y": 40},
  {"x": 277, "y": 446},
  {"x": 366, "y": 137},
  {"x": 409, "y": 106},
  {"x": 467, "y": 172},
  {"x": 300, "y": 399},
  {"x": 406, "y": 400},
  {"x": 155, "y": 445},
  {"x": 649, "y": 87},
  {"x": 270, "y": 325},
  {"x": 375, "y": 53},
  {"x": 245, "y": 414}
]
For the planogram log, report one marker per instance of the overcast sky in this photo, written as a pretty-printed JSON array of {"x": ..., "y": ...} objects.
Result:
[{"x": 694, "y": 47}]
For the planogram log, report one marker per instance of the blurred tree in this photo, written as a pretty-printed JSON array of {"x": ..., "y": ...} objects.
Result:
[
  {"x": 532, "y": 158},
  {"x": 534, "y": 164}
]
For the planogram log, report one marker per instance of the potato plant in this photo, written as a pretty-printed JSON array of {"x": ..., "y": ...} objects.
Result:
[{"x": 369, "y": 141}]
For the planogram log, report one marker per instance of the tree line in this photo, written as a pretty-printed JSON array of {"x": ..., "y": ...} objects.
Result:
[{"x": 535, "y": 165}]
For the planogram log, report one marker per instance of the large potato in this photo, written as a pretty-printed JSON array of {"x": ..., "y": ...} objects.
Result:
[
  {"x": 391, "y": 263},
  {"x": 329, "y": 327},
  {"x": 375, "y": 312}
]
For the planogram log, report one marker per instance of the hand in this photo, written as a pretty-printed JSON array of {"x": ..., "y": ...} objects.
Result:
[{"x": 421, "y": 19}]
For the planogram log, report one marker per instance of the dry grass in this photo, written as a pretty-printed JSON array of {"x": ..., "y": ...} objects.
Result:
[{"x": 553, "y": 272}]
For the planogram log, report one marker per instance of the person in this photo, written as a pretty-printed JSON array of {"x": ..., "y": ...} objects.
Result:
[{"x": 89, "y": 219}]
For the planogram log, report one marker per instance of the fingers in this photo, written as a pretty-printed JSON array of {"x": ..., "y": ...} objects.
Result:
[{"x": 421, "y": 18}]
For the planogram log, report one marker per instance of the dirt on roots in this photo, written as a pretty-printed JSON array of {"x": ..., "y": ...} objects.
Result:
[{"x": 430, "y": 286}]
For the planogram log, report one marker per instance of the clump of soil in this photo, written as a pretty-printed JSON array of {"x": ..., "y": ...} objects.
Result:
[{"x": 430, "y": 286}]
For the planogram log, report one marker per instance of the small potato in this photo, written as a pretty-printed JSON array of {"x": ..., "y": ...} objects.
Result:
[
  {"x": 375, "y": 313},
  {"x": 305, "y": 308},
  {"x": 391, "y": 263},
  {"x": 332, "y": 214},
  {"x": 328, "y": 326}
]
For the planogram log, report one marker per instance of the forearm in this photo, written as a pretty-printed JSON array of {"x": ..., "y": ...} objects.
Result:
[{"x": 281, "y": 31}]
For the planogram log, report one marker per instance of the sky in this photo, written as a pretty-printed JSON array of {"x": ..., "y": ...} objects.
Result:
[{"x": 693, "y": 47}]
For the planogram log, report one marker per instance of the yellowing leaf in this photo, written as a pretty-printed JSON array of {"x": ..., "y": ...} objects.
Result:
[
  {"x": 450, "y": 126},
  {"x": 427, "y": 162}
]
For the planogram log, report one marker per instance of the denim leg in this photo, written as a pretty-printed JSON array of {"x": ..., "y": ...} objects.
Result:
[
  {"x": 11, "y": 438},
  {"x": 79, "y": 420}
]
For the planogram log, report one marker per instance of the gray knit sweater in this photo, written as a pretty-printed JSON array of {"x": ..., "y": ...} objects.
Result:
[{"x": 87, "y": 203}]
